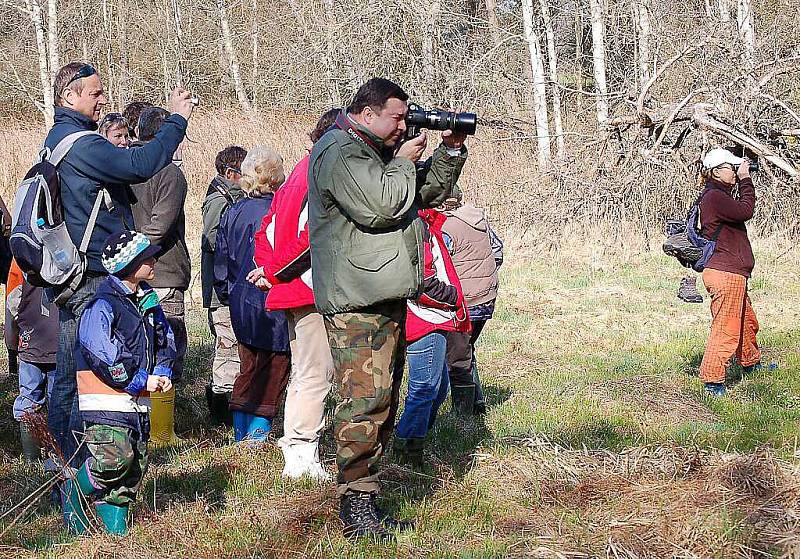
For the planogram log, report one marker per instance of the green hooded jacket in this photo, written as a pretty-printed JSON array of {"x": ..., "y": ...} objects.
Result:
[{"x": 365, "y": 234}]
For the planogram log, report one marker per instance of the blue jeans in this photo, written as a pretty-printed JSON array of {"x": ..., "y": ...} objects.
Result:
[
  {"x": 35, "y": 387},
  {"x": 428, "y": 383},
  {"x": 63, "y": 417}
]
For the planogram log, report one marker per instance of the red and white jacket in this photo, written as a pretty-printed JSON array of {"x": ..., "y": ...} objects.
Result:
[
  {"x": 282, "y": 247},
  {"x": 441, "y": 306}
]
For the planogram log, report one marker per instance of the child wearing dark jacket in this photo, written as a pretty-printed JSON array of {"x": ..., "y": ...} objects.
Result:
[
  {"x": 125, "y": 351},
  {"x": 31, "y": 330}
]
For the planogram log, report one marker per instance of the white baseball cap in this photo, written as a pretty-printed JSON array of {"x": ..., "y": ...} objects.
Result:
[{"x": 720, "y": 156}]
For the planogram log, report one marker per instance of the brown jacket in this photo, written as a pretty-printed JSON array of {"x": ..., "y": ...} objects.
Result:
[
  {"x": 472, "y": 254},
  {"x": 733, "y": 252}
]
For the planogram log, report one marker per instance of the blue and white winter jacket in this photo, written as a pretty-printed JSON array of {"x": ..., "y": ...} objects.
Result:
[
  {"x": 117, "y": 348},
  {"x": 93, "y": 163}
]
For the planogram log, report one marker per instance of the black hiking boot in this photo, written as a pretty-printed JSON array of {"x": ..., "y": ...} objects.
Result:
[
  {"x": 357, "y": 513},
  {"x": 688, "y": 290},
  {"x": 218, "y": 408},
  {"x": 390, "y": 522},
  {"x": 463, "y": 399}
]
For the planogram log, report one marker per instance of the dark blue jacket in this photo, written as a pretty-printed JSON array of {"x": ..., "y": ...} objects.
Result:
[
  {"x": 233, "y": 260},
  {"x": 94, "y": 162},
  {"x": 121, "y": 346}
]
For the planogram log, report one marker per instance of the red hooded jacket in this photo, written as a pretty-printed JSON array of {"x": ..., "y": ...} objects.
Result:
[
  {"x": 441, "y": 306},
  {"x": 282, "y": 247}
]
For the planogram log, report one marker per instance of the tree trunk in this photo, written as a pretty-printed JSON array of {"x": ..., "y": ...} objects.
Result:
[
  {"x": 599, "y": 59},
  {"x": 330, "y": 55},
  {"x": 177, "y": 19},
  {"x": 35, "y": 10},
  {"x": 52, "y": 37},
  {"x": 84, "y": 43},
  {"x": 254, "y": 30},
  {"x": 233, "y": 62},
  {"x": 429, "y": 32},
  {"x": 580, "y": 85},
  {"x": 642, "y": 12},
  {"x": 555, "y": 85},
  {"x": 744, "y": 20},
  {"x": 122, "y": 45},
  {"x": 494, "y": 24},
  {"x": 724, "y": 10},
  {"x": 110, "y": 74},
  {"x": 539, "y": 86}
]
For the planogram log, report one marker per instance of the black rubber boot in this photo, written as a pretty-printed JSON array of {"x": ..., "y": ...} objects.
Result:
[
  {"x": 409, "y": 451},
  {"x": 357, "y": 513},
  {"x": 390, "y": 522},
  {"x": 218, "y": 408},
  {"x": 463, "y": 399},
  {"x": 31, "y": 450}
]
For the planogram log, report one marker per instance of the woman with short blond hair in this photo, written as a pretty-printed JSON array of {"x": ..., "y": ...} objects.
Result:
[{"x": 263, "y": 337}]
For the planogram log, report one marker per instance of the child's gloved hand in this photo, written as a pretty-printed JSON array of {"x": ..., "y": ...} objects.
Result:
[
  {"x": 153, "y": 383},
  {"x": 165, "y": 383}
]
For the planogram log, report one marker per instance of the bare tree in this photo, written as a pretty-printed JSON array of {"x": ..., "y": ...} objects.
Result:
[
  {"x": 254, "y": 31},
  {"x": 35, "y": 11},
  {"x": 599, "y": 59},
  {"x": 642, "y": 15},
  {"x": 555, "y": 86},
  {"x": 539, "y": 86},
  {"x": 233, "y": 62},
  {"x": 52, "y": 36},
  {"x": 744, "y": 20},
  {"x": 429, "y": 32}
]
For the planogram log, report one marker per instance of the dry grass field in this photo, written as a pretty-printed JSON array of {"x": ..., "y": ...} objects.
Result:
[{"x": 598, "y": 441}]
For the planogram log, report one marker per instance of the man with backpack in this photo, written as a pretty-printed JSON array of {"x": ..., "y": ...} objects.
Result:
[
  {"x": 222, "y": 193},
  {"x": 94, "y": 170}
]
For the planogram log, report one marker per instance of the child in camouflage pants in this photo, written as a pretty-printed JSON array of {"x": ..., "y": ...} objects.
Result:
[{"x": 125, "y": 351}]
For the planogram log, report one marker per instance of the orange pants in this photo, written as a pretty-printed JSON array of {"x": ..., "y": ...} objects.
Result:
[{"x": 733, "y": 327}]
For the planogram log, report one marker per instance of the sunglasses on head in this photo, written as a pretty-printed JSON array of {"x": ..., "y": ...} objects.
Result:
[
  {"x": 83, "y": 72},
  {"x": 112, "y": 117}
]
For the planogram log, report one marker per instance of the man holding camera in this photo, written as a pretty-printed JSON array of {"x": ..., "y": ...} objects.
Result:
[{"x": 366, "y": 245}]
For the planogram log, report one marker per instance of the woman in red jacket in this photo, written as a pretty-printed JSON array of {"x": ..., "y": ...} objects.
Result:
[
  {"x": 440, "y": 308},
  {"x": 284, "y": 259}
]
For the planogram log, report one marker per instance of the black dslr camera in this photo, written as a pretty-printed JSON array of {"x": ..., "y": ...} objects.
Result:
[
  {"x": 741, "y": 151},
  {"x": 437, "y": 119}
]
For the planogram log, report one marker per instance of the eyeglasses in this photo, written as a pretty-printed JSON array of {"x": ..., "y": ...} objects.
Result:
[
  {"x": 234, "y": 169},
  {"x": 83, "y": 72}
]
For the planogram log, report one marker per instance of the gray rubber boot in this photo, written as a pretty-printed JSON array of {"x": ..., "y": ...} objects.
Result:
[{"x": 31, "y": 450}]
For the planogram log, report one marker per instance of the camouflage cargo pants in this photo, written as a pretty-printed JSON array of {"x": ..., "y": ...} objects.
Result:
[
  {"x": 117, "y": 463},
  {"x": 368, "y": 350}
]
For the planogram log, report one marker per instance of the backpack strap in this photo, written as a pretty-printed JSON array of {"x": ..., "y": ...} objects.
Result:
[
  {"x": 103, "y": 197},
  {"x": 62, "y": 148}
]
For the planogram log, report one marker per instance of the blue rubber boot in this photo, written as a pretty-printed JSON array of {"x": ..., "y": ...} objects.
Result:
[
  {"x": 258, "y": 428},
  {"x": 114, "y": 517},
  {"x": 241, "y": 421},
  {"x": 715, "y": 388},
  {"x": 75, "y": 500}
]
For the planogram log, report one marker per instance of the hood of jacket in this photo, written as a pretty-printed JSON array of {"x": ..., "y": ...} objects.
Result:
[
  {"x": 63, "y": 115},
  {"x": 472, "y": 216}
]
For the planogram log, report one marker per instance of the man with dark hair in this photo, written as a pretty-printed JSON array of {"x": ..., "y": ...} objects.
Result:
[
  {"x": 364, "y": 194},
  {"x": 158, "y": 213},
  {"x": 222, "y": 193},
  {"x": 92, "y": 170},
  {"x": 131, "y": 112}
]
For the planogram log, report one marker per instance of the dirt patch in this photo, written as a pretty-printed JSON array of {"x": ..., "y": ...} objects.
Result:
[{"x": 654, "y": 401}]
